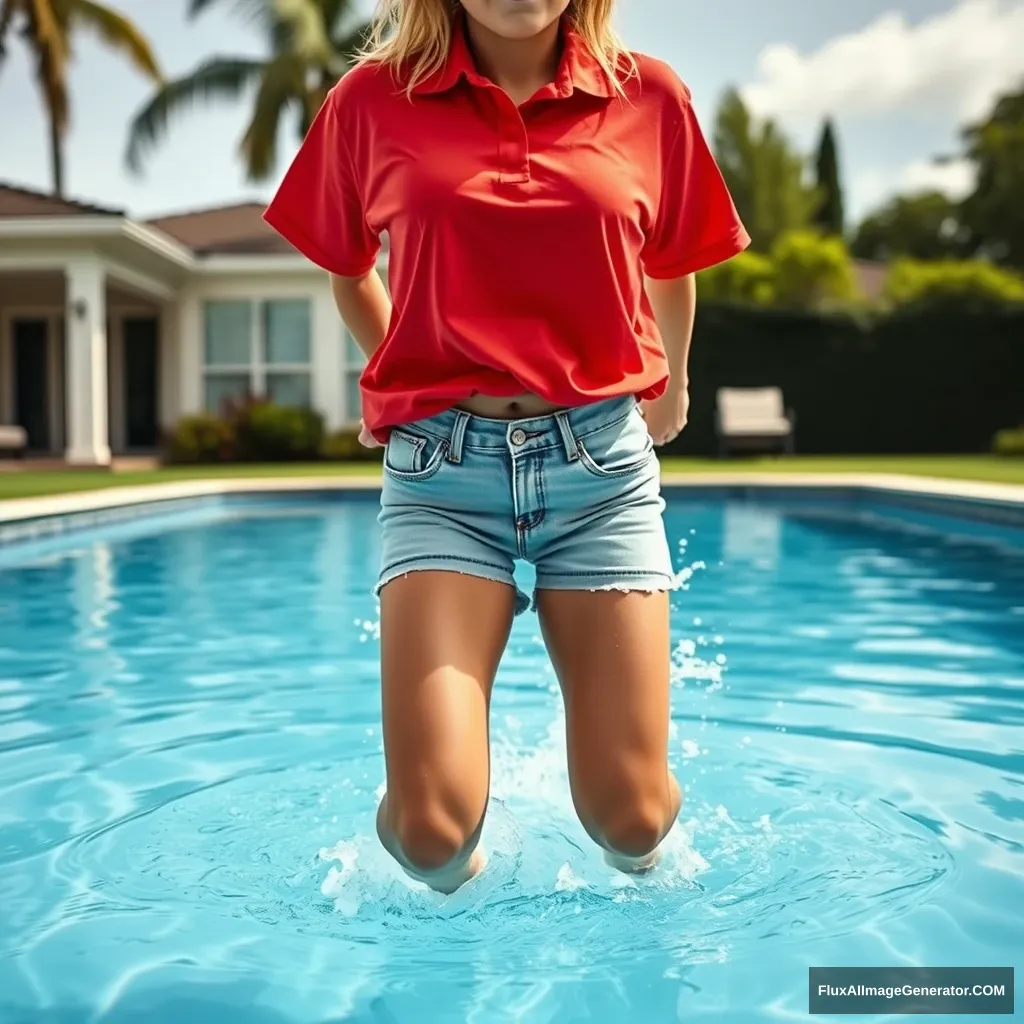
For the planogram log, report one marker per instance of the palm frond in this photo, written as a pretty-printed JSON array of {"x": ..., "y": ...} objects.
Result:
[
  {"x": 218, "y": 78},
  {"x": 48, "y": 44},
  {"x": 250, "y": 8},
  {"x": 119, "y": 33},
  {"x": 44, "y": 30},
  {"x": 282, "y": 85}
]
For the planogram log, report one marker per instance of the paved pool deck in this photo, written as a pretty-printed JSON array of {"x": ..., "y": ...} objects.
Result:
[{"x": 122, "y": 498}]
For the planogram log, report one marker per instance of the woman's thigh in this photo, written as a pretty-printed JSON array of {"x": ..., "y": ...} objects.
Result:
[
  {"x": 611, "y": 651},
  {"x": 442, "y": 636}
]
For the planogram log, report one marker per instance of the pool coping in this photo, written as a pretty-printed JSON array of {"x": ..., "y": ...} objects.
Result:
[{"x": 16, "y": 510}]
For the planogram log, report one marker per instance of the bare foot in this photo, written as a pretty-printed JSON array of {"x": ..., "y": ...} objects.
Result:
[{"x": 633, "y": 865}]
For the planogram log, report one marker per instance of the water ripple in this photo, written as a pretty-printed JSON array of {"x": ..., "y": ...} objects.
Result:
[{"x": 190, "y": 761}]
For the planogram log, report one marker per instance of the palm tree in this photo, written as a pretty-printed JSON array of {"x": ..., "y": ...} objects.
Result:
[
  {"x": 312, "y": 43},
  {"x": 48, "y": 27}
]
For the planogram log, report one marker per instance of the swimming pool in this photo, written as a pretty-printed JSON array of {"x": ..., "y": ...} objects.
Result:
[{"x": 190, "y": 760}]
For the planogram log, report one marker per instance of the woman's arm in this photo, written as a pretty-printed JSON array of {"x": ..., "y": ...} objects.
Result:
[
  {"x": 675, "y": 304},
  {"x": 365, "y": 307}
]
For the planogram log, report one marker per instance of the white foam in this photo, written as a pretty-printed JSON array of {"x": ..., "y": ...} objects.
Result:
[
  {"x": 566, "y": 881},
  {"x": 532, "y": 836}
]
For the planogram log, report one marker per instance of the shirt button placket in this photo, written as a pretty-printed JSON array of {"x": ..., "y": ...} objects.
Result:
[{"x": 514, "y": 145}]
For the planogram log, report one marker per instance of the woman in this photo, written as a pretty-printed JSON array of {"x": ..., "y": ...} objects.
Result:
[{"x": 548, "y": 198}]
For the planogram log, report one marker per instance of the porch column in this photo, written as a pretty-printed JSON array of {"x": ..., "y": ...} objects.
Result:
[{"x": 86, "y": 343}]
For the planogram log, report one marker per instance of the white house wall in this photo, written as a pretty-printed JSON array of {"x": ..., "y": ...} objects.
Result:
[
  {"x": 168, "y": 370},
  {"x": 328, "y": 332},
  {"x": 32, "y": 277}
]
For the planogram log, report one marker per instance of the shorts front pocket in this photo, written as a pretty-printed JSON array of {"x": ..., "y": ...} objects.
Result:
[
  {"x": 412, "y": 456},
  {"x": 618, "y": 449}
]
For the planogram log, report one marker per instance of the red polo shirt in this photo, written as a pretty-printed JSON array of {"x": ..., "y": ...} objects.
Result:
[{"x": 520, "y": 236}]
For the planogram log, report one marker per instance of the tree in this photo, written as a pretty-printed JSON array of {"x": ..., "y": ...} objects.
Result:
[
  {"x": 993, "y": 214},
  {"x": 47, "y": 28},
  {"x": 923, "y": 226},
  {"x": 311, "y": 44},
  {"x": 812, "y": 271},
  {"x": 735, "y": 149},
  {"x": 764, "y": 174},
  {"x": 989, "y": 223},
  {"x": 830, "y": 216}
]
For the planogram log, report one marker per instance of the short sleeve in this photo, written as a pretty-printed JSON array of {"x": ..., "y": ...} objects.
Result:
[
  {"x": 318, "y": 207},
  {"x": 696, "y": 225}
]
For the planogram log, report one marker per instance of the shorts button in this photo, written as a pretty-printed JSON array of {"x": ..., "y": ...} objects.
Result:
[{"x": 518, "y": 437}]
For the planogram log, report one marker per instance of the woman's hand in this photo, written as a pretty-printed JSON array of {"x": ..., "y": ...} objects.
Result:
[
  {"x": 666, "y": 416},
  {"x": 366, "y": 439}
]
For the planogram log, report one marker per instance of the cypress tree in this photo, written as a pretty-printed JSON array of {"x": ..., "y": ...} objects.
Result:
[{"x": 830, "y": 216}]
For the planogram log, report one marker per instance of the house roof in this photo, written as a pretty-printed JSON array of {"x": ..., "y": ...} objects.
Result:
[
  {"x": 18, "y": 201},
  {"x": 871, "y": 277},
  {"x": 237, "y": 229}
]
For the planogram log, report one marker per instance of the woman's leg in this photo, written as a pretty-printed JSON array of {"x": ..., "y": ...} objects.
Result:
[
  {"x": 442, "y": 636},
  {"x": 611, "y": 651}
]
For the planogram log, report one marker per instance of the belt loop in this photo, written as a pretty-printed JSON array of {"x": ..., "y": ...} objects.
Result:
[
  {"x": 458, "y": 436},
  {"x": 568, "y": 438}
]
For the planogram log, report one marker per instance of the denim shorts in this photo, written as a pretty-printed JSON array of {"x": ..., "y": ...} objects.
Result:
[{"x": 576, "y": 493}]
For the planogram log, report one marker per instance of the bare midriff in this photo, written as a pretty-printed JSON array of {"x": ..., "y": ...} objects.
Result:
[{"x": 518, "y": 407}]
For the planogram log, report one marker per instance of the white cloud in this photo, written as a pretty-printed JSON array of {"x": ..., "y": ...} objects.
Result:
[
  {"x": 955, "y": 178},
  {"x": 955, "y": 62},
  {"x": 871, "y": 187}
]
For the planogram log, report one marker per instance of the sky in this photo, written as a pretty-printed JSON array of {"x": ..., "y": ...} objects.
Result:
[{"x": 899, "y": 78}]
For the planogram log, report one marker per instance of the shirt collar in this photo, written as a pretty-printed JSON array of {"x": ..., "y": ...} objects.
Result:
[{"x": 578, "y": 69}]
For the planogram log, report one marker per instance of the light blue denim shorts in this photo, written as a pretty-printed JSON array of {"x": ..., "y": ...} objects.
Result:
[{"x": 577, "y": 494}]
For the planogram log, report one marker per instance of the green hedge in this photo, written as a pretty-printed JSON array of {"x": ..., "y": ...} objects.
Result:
[
  {"x": 248, "y": 431},
  {"x": 1009, "y": 442},
  {"x": 203, "y": 438},
  {"x": 914, "y": 381},
  {"x": 276, "y": 433}
]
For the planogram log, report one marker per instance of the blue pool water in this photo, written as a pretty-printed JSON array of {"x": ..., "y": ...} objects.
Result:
[{"x": 190, "y": 759}]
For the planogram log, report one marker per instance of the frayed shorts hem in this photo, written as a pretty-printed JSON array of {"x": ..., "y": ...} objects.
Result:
[
  {"x": 621, "y": 581},
  {"x": 480, "y": 570}
]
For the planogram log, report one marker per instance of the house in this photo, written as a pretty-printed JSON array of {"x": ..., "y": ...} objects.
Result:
[{"x": 113, "y": 328}]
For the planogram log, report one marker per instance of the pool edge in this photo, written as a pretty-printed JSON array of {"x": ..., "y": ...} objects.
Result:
[{"x": 15, "y": 509}]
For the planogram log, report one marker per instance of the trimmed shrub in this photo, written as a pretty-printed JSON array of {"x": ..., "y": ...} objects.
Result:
[
  {"x": 812, "y": 271},
  {"x": 344, "y": 446},
  {"x": 203, "y": 438},
  {"x": 805, "y": 270},
  {"x": 914, "y": 283},
  {"x": 748, "y": 278},
  {"x": 265, "y": 432},
  {"x": 1009, "y": 442}
]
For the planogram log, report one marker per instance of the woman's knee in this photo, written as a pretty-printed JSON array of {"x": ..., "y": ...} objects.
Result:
[
  {"x": 632, "y": 824},
  {"x": 430, "y": 836},
  {"x": 635, "y": 831}
]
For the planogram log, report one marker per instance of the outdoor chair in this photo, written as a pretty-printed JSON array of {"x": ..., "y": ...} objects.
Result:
[
  {"x": 753, "y": 419},
  {"x": 13, "y": 441}
]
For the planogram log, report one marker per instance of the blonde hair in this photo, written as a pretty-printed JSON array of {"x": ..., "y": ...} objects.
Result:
[{"x": 417, "y": 34}]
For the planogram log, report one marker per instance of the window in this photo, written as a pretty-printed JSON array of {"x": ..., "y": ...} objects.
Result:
[
  {"x": 257, "y": 348},
  {"x": 354, "y": 362}
]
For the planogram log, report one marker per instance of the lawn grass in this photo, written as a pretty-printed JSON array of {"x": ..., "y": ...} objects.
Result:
[{"x": 30, "y": 484}]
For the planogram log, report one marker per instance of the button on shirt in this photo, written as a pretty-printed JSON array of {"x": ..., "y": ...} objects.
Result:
[{"x": 520, "y": 236}]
